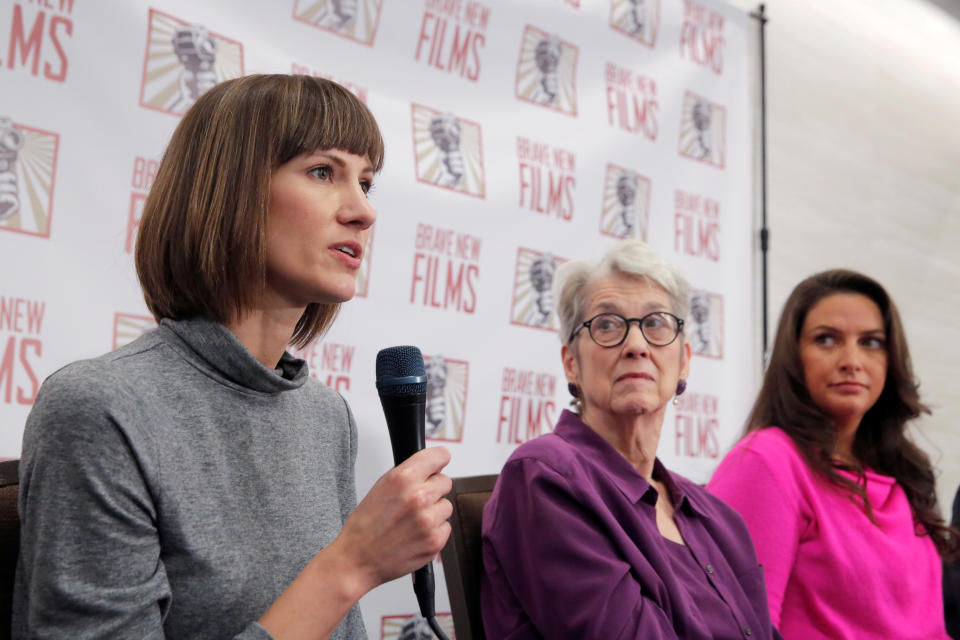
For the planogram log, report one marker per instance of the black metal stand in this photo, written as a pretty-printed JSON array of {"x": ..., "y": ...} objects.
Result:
[{"x": 760, "y": 16}]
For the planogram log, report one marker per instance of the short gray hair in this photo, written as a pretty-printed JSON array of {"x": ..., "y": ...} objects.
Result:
[{"x": 629, "y": 257}]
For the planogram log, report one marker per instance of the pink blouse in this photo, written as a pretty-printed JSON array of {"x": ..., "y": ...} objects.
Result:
[{"x": 830, "y": 571}]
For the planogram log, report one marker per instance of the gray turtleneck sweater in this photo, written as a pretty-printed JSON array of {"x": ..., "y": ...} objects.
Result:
[{"x": 175, "y": 487}]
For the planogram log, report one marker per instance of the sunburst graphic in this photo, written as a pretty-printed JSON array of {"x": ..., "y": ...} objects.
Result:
[
  {"x": 413, "y": 627},
  {"x": 703, "y": 130},
  {"x": 127, "y": 327},
  {"x": 533, "y": 290},
  {"x": 637, "y": 19},
  {"x": 704, "y": 325},
  {"x": 448, "y": 151},
  {"x": 446, "y": 397},
  {"x": 28, "y": 164},
  {"x": 171, "y": 82},
  {"x": 353, "y": 19},
  {"x": 626, "y": 203},
  {"x": 547, "y": 71}
]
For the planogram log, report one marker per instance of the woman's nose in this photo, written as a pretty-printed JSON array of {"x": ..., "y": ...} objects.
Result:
[
  {"x": 635, "y": 342},
  {"x": 355, "y": 209},
  {"x": 850, "y": 358}
]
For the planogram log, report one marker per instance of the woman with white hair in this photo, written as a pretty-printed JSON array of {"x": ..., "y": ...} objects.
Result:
[{"x": 587, "y": 534}]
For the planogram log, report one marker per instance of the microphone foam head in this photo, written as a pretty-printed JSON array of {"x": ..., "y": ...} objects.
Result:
[{"x": 400, "y": 371}]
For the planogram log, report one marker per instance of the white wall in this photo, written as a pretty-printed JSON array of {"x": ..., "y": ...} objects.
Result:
[{"x": 863, "y": 113}]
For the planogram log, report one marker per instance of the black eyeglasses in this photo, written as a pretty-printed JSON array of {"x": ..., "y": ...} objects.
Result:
[{"x": 659, "y": 328}]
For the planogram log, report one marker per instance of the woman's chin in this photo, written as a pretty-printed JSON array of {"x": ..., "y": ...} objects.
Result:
[
  {"x": 342, "y": 292},
  {"x": 631, "y": 407}
]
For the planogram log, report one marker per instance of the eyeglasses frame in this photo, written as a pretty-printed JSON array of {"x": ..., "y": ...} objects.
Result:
[{"x": 628, "y": 321}]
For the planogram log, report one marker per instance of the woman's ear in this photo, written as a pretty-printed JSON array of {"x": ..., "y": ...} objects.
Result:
[{"x": 571, "y": 367}]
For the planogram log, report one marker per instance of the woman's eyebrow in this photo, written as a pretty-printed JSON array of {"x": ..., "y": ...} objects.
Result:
[{"x": 338, "y": 160}]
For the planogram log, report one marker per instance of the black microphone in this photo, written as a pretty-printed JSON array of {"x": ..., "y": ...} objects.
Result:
[{"x": 402, "y": 385}]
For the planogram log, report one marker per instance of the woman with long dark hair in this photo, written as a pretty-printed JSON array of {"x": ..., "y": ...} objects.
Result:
[{"x": 840, "y": 503}]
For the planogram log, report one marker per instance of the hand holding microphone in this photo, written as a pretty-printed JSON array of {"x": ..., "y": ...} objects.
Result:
[
  {"x": 402, "y": 385},
  {"x": 401, "y": 524},
  {"x": 398, "y": 528}
]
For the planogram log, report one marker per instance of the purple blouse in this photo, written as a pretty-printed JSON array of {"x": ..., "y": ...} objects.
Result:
[{"x": 571, "y": 550}]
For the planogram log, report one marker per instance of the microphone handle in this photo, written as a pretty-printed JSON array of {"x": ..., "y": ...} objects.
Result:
[
  {"x": 423, "y": 587},
  {"x": 406, "y": 422},
  {"x": 402, "y": 412}
]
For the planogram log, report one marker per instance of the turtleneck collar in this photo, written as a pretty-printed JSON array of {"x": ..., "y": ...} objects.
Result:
[{"x": 217, "y": 351}]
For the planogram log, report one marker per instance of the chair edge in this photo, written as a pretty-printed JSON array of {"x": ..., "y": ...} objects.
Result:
[{"x": 452, "y": 550}]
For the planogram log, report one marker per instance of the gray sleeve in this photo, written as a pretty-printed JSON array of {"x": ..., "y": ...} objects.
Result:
[
  {"x": 90, "y": 554},
  {"x": 347, "y": 479},
  {"x": 353, "y": 623}
]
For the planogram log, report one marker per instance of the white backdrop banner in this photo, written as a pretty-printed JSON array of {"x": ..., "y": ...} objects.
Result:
[{"x": 518, "y": 135}]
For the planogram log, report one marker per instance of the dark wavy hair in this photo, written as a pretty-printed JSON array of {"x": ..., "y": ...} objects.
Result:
[{"x": 881, "y": 441}]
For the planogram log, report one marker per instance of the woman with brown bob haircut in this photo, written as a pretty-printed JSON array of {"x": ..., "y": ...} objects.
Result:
[
  {"x": 840, "y": 503},
  {"x": 198, "y": 482}
]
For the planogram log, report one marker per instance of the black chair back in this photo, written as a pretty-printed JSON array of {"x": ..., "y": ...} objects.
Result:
[
  {"x": 9, "y": 539},
  {"x": 462, "y": 556}
]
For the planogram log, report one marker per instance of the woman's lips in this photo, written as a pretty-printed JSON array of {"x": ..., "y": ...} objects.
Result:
[
  {"x": 636, "y": 375},
  {"x": 352, "y": 261},
  {"x": 848, "y": 387}
]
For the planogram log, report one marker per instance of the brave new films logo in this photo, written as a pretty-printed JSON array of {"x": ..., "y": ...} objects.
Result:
[
  {"x": 704, "y": 326},
  {"x": 527, "y": 405},
  {"x": 696, "y": 225},
  {"x": 446, "y": 397},
  {"x": 355, "y": 89},
  {"x": 547, "y": 71},
  {"x": 183, "y": 61},
  {"x": 353, "y": 19},
  {"x": 533, "y": 290},
  {"x": 626, "y": 203},
  {"x": 631, "y": 101},
  {"x": 637, "y": 19},
  {"x": 28, "y": 163},
  {"x": 703, "y": 130},
  {"x": 446, "y": 266},
  {"x": 39, "y": 31},
  {"x": 547, "y": 178},
  {"x": 414, "y": 627},
  {"x": 448, "y": 151},
  {"x": 127, "y": 327},
  {"x": 329, "y": 362},
  {"x": 452, "y": 35},
  {"x": 21, "y": 346},
  {"x": 697, "y": 426},
  {"x": 144, "y": 173},
  {"x": 701, "y": 37}
]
